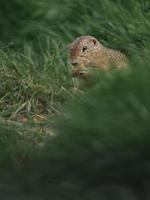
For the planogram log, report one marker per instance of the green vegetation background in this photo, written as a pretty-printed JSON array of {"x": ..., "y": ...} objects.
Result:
[{"x": 92, "y": 146}]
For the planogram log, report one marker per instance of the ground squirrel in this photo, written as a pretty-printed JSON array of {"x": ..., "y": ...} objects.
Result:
[{"x": 87, "y": 51}]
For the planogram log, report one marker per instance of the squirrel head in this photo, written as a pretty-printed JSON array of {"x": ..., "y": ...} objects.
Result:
[{"x": 82, "y": 52}]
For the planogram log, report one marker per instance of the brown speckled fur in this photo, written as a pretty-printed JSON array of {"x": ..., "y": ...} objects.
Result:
[{"x": 94, "y": 55}]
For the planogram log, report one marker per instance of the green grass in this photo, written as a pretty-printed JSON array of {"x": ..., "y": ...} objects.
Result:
[
  {"x": 100, "y": 147},
  {"x": 94, "y": 145},
  {"x": 34, "y": 81},
  {"x": 35, "y": 75}
]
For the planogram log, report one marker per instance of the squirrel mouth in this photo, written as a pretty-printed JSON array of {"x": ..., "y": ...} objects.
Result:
[{"x": 79, "y": 73}]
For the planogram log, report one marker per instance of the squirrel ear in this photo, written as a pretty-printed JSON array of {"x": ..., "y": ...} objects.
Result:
[{"x": 94, "y": 41}]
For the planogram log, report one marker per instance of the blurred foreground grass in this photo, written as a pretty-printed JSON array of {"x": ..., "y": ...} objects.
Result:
[
  {"x": 92, "y": 146},
  {"x": 100, "y": 147}
]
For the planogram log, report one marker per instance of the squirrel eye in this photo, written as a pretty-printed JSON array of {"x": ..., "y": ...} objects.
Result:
[{"x": 84, "y": 48}]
